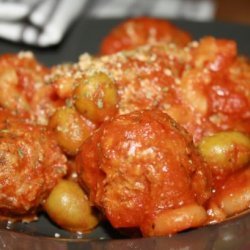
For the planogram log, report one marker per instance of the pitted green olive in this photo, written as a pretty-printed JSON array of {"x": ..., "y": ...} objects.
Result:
[
  {"x": 69, "y": 207},
  {"x": 226, "y": 151}
]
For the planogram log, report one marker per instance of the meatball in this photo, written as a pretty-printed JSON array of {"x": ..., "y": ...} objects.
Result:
[
  {"x": 137, "y": 31},
  {"x": 22, "y": 80},
  {"x": 143, "y": 171},
  {"x": 31, "y": 164},
  {"x": 204, "y": 86}
]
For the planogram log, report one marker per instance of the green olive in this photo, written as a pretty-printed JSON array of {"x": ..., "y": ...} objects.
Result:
[
  {"x": 69, "y": 207},
  {"x": 69, "y": 128},
  {"x": 226, "y": 151},
  {"x": 96, "y": 97}
]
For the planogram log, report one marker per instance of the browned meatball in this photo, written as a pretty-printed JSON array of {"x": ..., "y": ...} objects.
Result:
[
  {"x": 137, "y": 31},
  {"x": 204, "y": 86},
  {"x": 23, "y": 81},
  {"x": 143, "y": 171},
  {"x": 31, "y": 164}
]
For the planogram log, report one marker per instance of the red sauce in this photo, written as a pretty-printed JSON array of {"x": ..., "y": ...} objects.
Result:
[
  {"x": 142, "y": 30},
  {"x": 139, "y": 165}
]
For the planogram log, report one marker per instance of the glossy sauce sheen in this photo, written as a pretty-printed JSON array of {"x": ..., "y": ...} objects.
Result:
[
  {"x": 22, "y": 79},
  {"x": 204, "y": 87},
  {"x": 31, "y": 163},
  {"x": 140, "y": 165},
  {"x": 130, "y": 122}
]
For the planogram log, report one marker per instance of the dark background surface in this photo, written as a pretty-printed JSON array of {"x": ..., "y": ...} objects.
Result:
[
  {"x": 85, "y": 36},
  {"x": 229, "y": 235}
]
